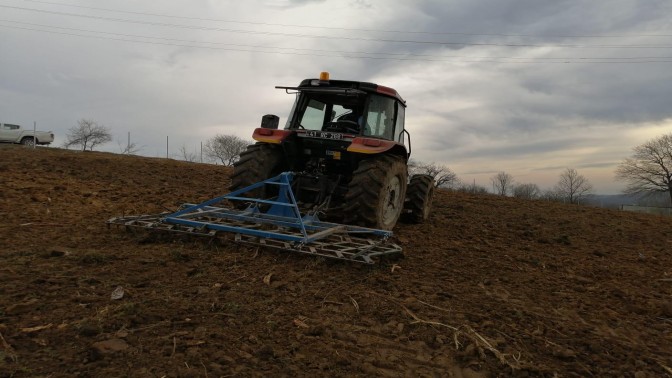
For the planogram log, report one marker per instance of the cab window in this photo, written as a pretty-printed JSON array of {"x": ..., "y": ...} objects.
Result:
[
  {"x": 317, "y": 113},
  {"x": 313, "y": 116},
  {"x": 399, "y": 127},
  {"x": 380, "y": 119}
]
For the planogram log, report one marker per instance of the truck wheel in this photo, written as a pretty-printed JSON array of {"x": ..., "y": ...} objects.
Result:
[
  {"x": 419, "y": 198},
  {"x": 259, "y": 162},
  {"x": 375, "y": 196},
  {"x": 28, "y": 141}
]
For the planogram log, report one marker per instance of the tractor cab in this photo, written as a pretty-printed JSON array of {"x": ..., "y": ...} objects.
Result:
[
  {"x": 350, "y": 111},
  {"x": 351, "y": 107}
]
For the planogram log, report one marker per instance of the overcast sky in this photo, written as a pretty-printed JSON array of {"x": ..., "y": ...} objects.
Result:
[{"x": 524, "y": 86}]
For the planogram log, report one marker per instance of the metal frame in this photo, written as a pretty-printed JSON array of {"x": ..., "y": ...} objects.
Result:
[{"x": 275, "y": 223}]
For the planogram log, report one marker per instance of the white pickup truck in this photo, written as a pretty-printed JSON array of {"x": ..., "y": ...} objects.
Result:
[{"x": 15, "y": 134}]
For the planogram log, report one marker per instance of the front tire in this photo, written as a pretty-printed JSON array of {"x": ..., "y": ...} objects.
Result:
[
  {"x": 419, "y": 198},
  {"x": 376, "y": 193}
]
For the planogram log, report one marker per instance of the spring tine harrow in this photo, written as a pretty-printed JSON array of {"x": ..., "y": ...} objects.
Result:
[{"x": 275, "y": 223}]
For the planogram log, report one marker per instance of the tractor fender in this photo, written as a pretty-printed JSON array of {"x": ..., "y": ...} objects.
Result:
[
  {"x": 376, "y": 146},
  {"x": 273, "y": 136}
]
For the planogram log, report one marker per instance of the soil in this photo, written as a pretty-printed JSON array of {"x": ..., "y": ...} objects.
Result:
[{"x": 489, "y": 287}]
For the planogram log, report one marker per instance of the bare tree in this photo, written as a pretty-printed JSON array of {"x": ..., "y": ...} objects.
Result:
[
  {"x": 225, "y": 148},
  {"x": 502, "y": 183},
  {"x": 472, "y": 188},
  {"x": 87, "y": 133},
  {"x": 552, "y": 195},
  {"x": 129, "y": 149},
  {"x": 414, "y": 166},
  {"x": 526, "y": 191},
  {"x": 572, "y": 186},
  {"x": 186, "y": 155},
  {"x": 649, "y": 170},
  {"x": 442, "y": 175}
]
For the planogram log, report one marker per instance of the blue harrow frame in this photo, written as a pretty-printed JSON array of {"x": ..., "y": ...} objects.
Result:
[{"x": 273, "y": 223}]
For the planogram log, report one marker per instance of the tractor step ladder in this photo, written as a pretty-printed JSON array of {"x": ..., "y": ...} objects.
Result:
[{"x": 272, "y": 223}]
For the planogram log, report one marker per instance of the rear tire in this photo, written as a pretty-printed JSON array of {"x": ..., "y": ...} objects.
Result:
[
  {"x": 376, "y": 193},
  {"x": 258, "y": 163},
  {"x": 28, "y": 141},
  {"x": 419, "y": 198}
]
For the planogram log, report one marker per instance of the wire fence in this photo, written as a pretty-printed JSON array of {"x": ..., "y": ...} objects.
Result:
[{"x": 666, "y": 211}]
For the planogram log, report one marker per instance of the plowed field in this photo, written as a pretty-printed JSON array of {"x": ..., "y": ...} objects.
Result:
[{"x": 489, "y": 287}]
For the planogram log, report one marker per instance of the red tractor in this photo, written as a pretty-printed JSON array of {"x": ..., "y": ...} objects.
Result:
[{"x": 346, "y": 144}]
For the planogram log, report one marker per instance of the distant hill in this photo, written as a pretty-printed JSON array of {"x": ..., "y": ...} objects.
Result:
[{"x": 614, "y": 201}]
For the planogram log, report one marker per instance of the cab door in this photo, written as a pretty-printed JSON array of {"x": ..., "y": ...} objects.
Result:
[{"x": 6, "y": 133}]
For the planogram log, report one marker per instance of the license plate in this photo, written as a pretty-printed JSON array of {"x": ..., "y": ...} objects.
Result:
[{"x": 323, "y": 134}]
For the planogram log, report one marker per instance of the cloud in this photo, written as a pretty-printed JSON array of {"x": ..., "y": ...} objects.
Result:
[
  {"x": 288, "y": 4},
  {"x": 516, "y": 85}
]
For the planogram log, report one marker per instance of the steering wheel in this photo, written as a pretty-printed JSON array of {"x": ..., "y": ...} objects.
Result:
[{"x": 343, "y": 126}]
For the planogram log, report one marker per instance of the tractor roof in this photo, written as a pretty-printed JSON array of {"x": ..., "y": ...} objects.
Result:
[{"x": 317, "y": 85}]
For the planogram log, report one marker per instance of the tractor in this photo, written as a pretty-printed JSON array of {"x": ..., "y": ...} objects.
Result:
[
  {"x": 346, "y": 144},
  {"x": 332, "y": 183}
]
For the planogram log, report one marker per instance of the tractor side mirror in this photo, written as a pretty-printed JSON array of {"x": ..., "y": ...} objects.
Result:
[{"x": 270, "y": 121}]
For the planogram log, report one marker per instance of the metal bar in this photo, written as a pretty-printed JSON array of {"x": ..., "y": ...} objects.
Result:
[
  {"x": 257, "y": 200},
  {"x": 241, "y": 230},
  {"x": 235, "y": 193},
  {"x": 250, "y": 217},
  {"x": 327, "y": 232},
  {"x": 297, "y": 212},
  {"x": 227, "y": 214}
]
